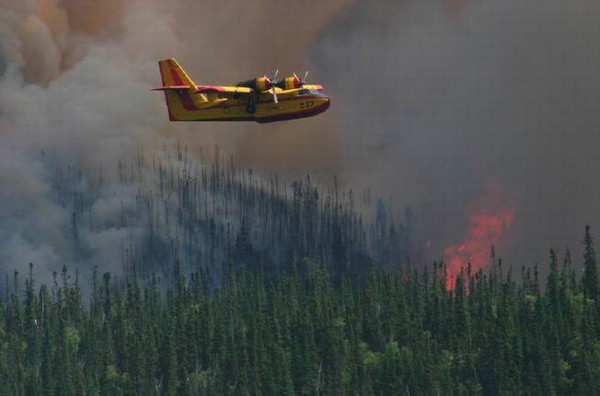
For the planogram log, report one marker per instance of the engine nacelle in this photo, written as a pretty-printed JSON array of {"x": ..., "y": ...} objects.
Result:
[
  {"x": 258, "y": 84},
  {"x": 289, "y": 83}
]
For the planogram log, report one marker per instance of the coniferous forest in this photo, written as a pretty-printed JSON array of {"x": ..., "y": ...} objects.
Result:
[{"x": 238, "y": 285}]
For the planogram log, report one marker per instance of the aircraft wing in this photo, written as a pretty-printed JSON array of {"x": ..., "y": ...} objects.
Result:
[{"x": 223, "y": 89}]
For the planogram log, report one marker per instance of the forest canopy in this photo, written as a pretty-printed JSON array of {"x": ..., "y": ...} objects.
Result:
[{"x": 305, "y": 333}]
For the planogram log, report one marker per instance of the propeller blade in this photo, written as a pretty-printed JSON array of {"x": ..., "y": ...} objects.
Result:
[
  {"x": 274, "y": 92},
  {"x": 305, "y": 77}
]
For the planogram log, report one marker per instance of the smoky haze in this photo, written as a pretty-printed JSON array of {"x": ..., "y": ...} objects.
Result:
[
  {"x": 223, "y": 42},
  {"x": 75, "y": 103},
  {"x": 432, "y": 102},
  {"x": 439, "y": 101}
]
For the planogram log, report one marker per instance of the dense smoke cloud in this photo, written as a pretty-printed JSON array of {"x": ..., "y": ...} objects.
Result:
[
  {"x": 438, "y": 101},
  {"x": 75, "y": 104},
  {"x": 431, "y": 101},
  {"x": 72, "y": 107}
]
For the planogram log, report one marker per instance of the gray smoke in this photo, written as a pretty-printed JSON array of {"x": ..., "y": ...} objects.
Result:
[
  {"x": 427, "y": 108},
  {"x": 72, "y": 108},
  {"x": 3, "y": 62},
  {"x": 75, "y": 105},
  {"x": 436, "y": 106}
]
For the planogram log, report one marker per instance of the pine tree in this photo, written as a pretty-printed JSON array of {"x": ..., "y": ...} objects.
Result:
[{"x": 590, "y": 274}]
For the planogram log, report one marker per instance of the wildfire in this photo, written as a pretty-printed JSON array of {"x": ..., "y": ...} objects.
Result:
[{"x": 487, "y": 226}]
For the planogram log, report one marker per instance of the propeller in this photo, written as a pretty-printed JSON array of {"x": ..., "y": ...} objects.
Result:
[
  {"x": 303, "y": 80},
  {"x": 273, "y": 91},
  {"x": 287, "y": 83}
]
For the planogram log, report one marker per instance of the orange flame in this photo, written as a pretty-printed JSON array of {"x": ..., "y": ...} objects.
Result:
[{"x": 487, "y": 228}]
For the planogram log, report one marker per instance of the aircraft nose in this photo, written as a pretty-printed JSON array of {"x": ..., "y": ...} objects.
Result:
[{"x": 323, "y": 104}]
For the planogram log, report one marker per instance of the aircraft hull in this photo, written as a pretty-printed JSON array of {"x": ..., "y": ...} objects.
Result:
[
  {"x": 190, "y": 107},
  {"x": 318, "y": 109}
]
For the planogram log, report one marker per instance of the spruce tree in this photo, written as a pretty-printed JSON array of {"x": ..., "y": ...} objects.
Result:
[{"x": 590, "y": 273}]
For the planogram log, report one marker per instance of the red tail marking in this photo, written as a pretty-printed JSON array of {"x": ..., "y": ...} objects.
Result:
[
  {"x": 187, "y": 101},
  {"x": 176, "y": 79}
]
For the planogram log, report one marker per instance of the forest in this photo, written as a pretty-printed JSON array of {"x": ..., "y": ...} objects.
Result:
[
  {"x": 233, "y": 284},
  {"x": 393, "y": 334},
  {"x": 172, "y": 206}
]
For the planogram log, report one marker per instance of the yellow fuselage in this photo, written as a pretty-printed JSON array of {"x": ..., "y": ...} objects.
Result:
[{"x": 260, "y": 107}]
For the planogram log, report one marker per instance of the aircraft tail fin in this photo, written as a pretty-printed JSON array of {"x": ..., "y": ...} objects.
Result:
[
  {"x": 173, "y": 75},
  {"x": 178, "y": 88}
]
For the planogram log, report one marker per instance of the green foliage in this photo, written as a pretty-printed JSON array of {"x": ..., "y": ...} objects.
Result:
[{"x": 299, "y": 334}]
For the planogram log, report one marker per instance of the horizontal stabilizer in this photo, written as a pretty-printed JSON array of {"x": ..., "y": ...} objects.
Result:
[{"x": 172, "y": 88}]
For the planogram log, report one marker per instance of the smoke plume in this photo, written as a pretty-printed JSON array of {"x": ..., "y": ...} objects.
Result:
[
  {"x": 75, "y": 104},
  {"x": 439, "y": 99},
  {"x": 72, "y": 101},
  {"x": 431, "y": 101}
]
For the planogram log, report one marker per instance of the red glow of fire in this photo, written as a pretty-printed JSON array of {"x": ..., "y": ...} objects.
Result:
[{"x": 487, "y": 228}]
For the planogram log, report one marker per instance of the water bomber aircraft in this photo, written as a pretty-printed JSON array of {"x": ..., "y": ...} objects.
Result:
[{"x": 260, "y": 99}]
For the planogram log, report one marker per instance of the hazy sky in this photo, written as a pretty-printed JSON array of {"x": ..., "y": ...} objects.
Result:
[
  {"x": 438, "y": 103},
  {"x": 455, "y": 107}
]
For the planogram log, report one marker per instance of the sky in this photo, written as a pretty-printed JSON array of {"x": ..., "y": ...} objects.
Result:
[{"x": 472, "y": 108}]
